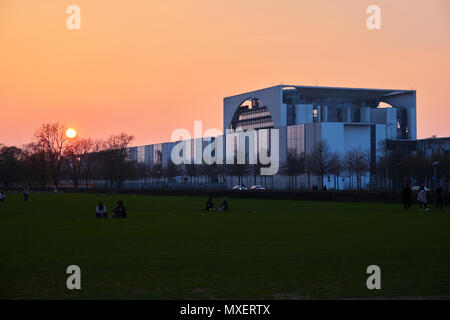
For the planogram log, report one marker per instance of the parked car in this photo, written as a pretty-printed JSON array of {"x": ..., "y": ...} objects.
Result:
[
  {"x": 257, "y": 187},
  {"x": 240, "y": 187}
]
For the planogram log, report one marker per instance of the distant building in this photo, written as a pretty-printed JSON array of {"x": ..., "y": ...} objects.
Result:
[
  {"x": 372, "y": 120},
  {"x": 428, "y": 147}
]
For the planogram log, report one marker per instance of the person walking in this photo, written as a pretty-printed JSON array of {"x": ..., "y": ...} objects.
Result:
[{"x": 422, "y": 197}]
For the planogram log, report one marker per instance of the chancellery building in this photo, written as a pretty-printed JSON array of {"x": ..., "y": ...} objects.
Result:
[{"x": 345, "y": 119}]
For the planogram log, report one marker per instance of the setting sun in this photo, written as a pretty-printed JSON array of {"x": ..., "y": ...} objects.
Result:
[{"x": 71, "y": 133}]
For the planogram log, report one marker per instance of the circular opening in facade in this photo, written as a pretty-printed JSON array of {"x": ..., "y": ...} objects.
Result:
[{"x": 252, "y": 114}]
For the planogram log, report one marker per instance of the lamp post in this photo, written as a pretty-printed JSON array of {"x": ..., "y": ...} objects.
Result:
[{"x": 435, "y": 164}]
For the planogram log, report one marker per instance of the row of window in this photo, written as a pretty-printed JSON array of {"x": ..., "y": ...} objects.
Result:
[
  {"x": 256, "y": 125},
  {"x": 254, "y": 114},
  {"x": 296, "y": 139}
]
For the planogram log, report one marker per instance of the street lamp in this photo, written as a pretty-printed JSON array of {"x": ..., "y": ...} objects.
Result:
[{"x": 434, "y": 164}]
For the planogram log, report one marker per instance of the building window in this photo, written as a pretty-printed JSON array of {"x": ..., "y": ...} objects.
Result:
[
  {"x": 296, "y": 139},
  {"x": 252, "y": 114}
]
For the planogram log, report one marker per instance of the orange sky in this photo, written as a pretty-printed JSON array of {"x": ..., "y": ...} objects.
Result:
[{"x": 149, "y": 67}]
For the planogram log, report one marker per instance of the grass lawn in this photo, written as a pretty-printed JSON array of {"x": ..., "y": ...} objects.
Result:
[{"x": 169, "y": 248}]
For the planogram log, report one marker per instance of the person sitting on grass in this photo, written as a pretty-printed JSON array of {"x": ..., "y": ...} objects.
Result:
[
  {"x": 209, "y": 205},
  {"x": 101, "y": 211},
  {"x": 120, "y": 211},
  {"x": 223, "y": 205}
]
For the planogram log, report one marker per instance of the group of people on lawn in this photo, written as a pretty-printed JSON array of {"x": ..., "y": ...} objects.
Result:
[
  {"x": 26, "y": 193},
  {"x": 120, "y": 211},
  {"x": 210, "y": 205},
  {"x": 422, "y": 198}
]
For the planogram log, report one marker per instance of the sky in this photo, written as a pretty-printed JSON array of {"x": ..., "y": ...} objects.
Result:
[{"x": 150, "y": 67}]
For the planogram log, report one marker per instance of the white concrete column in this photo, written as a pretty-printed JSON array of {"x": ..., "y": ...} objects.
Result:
[
  {"x": 324, "y": 114},
  {"x": 365, "y": 114}
]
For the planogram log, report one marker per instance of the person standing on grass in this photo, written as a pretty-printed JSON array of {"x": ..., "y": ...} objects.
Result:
[
  {"x": 439, "y": 197},
  {"x": 422, "y": 197},
  {"x": 2, "y": 196},
  {"x": 26, "y": 193},
  {"x": 406, "y": 197}
]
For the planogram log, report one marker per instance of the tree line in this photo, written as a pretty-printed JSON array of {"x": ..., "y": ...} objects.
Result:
[
  {"x": 390, "y": 170},
  {"x": 52, "y": 158},
  {"x": 321, "y": 162}
]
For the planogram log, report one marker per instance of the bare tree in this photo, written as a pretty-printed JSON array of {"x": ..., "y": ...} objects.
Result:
[
  {"x": 210, "y": 172},
  {"x": 320, "y": 159},
  {"x": 52, "y": 139},
  {"x": 237, "y": 169},
  {"x": 10, "y": 166},
  {"x": 171, "y": 171},
  {"x": 156, "y": 171},
  {"x": 336, "y": 167},
  {"x": 396, "y": 166},
  {"x": 294, "y": 166},
  {"x": 77, "y": 158},
  {"x": 92, "y": 160},
  {"x": 421, "y": 168},
  {"x": 114, "y": 159},
  {"x": 357, "y": 163},
  {"x": 35, "y": 169},
  {"x": 191, "y": 171}
]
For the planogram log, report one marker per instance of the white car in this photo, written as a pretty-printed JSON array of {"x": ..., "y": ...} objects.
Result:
[
  {"x": 240, "y": 187},
  {"x": 257, "y": 187}
]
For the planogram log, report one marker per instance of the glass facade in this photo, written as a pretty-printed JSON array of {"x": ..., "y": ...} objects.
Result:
[
  {"x": 296, "y": 139},
  {"x": 157, "y": 154},
  {"x": 252, "y": 114},
  {"x": 141, "y": 154},
  {"x": 264, "y": 139},
  {"x": 254, "y": 119}
]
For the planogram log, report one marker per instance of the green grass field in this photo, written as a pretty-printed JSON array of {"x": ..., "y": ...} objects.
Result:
[{"x": 169, "y": 248}]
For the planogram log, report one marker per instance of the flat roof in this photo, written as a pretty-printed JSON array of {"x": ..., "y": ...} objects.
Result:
[{"x": 343, "y": 93}]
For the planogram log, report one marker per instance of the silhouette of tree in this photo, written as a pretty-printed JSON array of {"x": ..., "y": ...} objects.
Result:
[
  {"x": 51, "y": 138},
  {"x": 320, "y": 159}
]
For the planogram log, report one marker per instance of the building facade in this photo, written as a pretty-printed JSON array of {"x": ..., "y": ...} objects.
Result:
[{"x": 346, "y": 119}]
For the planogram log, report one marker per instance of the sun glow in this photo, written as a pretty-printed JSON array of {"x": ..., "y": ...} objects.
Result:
[{"x": 71, "y": 133}]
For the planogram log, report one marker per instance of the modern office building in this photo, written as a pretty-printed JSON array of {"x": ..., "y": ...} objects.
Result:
[{"x": 345, "y": 118}]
